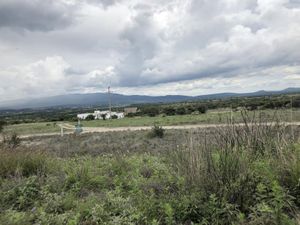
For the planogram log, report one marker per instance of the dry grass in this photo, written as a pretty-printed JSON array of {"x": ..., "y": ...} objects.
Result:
[{"x": 23, "y": 162}]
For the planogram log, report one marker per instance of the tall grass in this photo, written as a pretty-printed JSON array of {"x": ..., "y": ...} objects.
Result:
[
  {"x": 250, "y": 168},
  {"x": 238, "y": 174},
  {"x": 20, "y": 162}
]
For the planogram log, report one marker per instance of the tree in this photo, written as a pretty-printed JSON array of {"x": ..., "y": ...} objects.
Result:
[
  {"x": 131, "y": 115},
  {"x": 170, "y": 111},
  {"x": 114, "y": 117},
  {"x": 151, "y": 111},
  {"x": 181, "y": 110},
  {"x": 90, "y": 117},
  {"x": 103, "y": 116},
  {"x": 202, "y": 109}
]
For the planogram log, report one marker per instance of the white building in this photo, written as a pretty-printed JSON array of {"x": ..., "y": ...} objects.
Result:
[
  {"x": 83, "y": 116},
  {"x": 98, "y": 115}
]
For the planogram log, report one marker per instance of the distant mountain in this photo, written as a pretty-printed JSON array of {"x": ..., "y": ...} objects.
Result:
[{"x": 77, "y": 100}]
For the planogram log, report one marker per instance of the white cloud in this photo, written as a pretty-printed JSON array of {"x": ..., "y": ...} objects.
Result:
[
  {"x": 159, "y": 46},
  {"x": 50, "y": 77}
]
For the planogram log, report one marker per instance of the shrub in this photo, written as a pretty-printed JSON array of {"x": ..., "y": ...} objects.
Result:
[
  {"x": 169, "y": 111},
  {"x": 202, "y": 109},
  {"x": 150, "y": 111},
  {"x": 157, "y": 131},
  {"x": 90, "y": 117},
  {"x": 180, "y": 111},
  {"x": 130, "y": 115},
  {"x": 114, "y": 117},
  {"x": 103, "y": 116}
]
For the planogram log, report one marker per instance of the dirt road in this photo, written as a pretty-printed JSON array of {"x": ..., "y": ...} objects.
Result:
[{"x": 69, "y": 129}]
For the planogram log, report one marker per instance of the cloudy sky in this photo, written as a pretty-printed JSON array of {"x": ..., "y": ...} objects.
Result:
[{"x": 157, "y": 47}]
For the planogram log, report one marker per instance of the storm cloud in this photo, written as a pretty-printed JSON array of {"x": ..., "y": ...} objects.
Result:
[{"x": 190, "y": 47}]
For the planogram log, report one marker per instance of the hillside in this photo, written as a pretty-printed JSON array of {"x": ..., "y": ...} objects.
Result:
[{"x": 119, "y": 99}]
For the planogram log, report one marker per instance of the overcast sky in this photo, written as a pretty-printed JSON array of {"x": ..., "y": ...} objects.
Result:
[{"x": 157, "y": 47}]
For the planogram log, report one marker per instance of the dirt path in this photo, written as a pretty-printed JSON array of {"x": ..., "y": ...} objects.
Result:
[{"x": 69, "y": 129}]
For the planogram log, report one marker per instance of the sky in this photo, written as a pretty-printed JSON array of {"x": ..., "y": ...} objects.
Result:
[{"x": 157, "y": 47}]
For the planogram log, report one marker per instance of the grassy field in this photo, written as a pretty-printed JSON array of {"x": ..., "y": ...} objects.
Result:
[
  {"x": 211, "y": 117},
  {"x": 32, "y": 128},
  {"x": 229, "y": 175}
]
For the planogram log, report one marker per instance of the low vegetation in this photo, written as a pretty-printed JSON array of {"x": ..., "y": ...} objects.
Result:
[
  {"x": 198, "y": 106},
  {"x": 156, "y": 131},
  {"x": 239, "y": 174}
]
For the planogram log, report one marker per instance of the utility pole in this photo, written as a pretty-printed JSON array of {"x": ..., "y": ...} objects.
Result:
[
  {"x": 109, "y": 100},
  {"x": 292, "y": 130}
]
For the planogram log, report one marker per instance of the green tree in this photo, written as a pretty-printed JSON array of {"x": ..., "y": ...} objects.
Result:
[
  {"x": 151, "y": 111},
  {"x": 90, "y": 117},
  {"x": 170, "y": 111},
  {"x": 202, "y": 109},
  {"x": 103, "y": 116},
  {"x": 2, "y": 124},
  {"x": 180, "y": 110}
]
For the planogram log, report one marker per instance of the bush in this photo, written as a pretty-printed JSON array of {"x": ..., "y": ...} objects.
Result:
[
  {"x": 90, "y": 117},
  {"x": 180, "y": 111},
  {"x": 150, "y": 111},
  {"x": 103, "y": 116},
  {"x": 157, "y": 131},
  {"x": 202, "y": 109},
  {"x": 130, "y": 115},
  {"x": 169, "y": 111},
  {"x": 114, "y": 117}
]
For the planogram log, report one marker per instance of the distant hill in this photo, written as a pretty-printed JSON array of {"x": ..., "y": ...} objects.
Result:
[{"x": 119, "y": 99}]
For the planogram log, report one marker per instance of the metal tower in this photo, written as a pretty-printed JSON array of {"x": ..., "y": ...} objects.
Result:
[{"x": 109, "y": 101}]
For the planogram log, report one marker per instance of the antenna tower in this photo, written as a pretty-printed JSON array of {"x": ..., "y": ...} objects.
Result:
[{"x": 109, "y": 101}]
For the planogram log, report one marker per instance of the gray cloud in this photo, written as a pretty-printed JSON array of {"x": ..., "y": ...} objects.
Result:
[
  {"x": 138, "y": 45},
  {"x": 37, "y": 15}
]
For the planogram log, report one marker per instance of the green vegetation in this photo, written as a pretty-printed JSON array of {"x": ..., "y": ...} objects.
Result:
[
  {"x": 2, "y": 124},
  {"x": 156, "y": 131},
  {"x": 56, "y": 114},
  {"x": 200, "y": 106},
  {"x": 31, "y": 128},
  {"x": 211, "y": 117},
  {"x": 90, "y": 117},
  {"x": 248, "y": 175}
]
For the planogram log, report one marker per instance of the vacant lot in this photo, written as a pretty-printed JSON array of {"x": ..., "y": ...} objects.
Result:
[
  {"x": 32, "y": 128},
  {"x": 228, "y": 175},
  {"x": 212, "y": 117}
]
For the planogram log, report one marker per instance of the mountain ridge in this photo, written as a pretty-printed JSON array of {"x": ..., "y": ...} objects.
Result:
[{"x": 77, "y": 100}]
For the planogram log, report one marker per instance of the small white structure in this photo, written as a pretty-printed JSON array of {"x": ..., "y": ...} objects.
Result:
[
  {"x": 98, "y": 115},
  {"x": 119, "y": 115},
  {"x": 83, "y": 116}
]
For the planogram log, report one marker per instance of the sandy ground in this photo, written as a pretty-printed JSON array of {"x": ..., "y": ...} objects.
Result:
[{"x": 69, "y": 129}]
